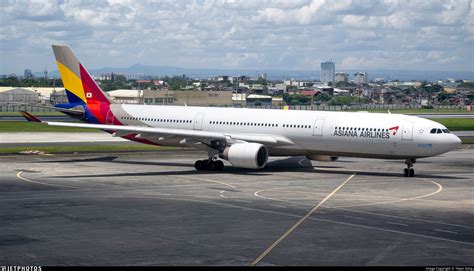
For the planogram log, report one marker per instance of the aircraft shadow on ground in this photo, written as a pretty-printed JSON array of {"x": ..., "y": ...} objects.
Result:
[{"x": 291, "y": 164}]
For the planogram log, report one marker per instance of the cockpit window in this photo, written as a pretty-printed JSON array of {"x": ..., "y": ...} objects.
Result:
[{"x": 439, "y": 131}]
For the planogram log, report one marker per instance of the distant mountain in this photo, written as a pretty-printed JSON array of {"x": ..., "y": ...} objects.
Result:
[{"x": 402, "y": 75}]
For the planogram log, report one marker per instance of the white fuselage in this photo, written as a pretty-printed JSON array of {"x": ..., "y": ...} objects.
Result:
[{"x": 357, "y": 134}]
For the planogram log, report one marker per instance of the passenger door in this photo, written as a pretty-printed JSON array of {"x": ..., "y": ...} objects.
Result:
[
  {"x": 407, "y": 131},
  {"x": 198, "y": 121},
  {"x": 318, "y": 127}
]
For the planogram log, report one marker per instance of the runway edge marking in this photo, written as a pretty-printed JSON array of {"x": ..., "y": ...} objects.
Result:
[{"x": 289, "y": 231}]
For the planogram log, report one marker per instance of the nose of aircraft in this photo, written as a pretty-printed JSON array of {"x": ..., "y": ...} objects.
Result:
[{"x": 454, "y": 142}]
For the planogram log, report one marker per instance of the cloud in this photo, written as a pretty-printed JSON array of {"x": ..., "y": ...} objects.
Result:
[{"x": 266, "y": 34}]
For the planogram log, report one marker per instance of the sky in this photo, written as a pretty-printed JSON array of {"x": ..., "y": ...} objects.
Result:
[{"x": 231, "y": 34}]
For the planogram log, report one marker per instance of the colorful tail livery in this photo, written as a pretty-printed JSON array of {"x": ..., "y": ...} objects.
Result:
[{"x": 81, "y": 89}]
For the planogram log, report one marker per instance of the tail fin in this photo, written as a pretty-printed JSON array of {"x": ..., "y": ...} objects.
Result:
[{"x": 80, "y": 87}]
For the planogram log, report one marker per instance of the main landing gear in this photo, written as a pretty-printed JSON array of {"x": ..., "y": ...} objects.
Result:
[
  {"x": 409, "y": 171},
  {"x": 209, "y": 164}
]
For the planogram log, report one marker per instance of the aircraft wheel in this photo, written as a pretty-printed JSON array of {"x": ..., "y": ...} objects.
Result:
[
  {"x": 411, "y": 172},
  {"x": 212, "y": 165},
  {"x": 199, "y": 165},
  {"x": 405, "y": 172},
  {"x": 219, "y": 165}
]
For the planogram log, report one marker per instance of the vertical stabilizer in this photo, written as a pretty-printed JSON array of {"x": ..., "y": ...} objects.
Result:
[{"x": 79, "y": 85}]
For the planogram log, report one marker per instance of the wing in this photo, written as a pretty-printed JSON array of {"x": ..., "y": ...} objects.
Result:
[{"x": 185, "y": 134}]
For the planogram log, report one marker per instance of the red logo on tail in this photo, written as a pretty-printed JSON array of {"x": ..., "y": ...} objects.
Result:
[{"x": 394, "y": 129}]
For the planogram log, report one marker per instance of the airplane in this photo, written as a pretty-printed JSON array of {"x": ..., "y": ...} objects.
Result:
[{"x": 247, "y": 137}]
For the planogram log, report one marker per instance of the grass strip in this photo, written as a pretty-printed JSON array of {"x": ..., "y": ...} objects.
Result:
[
  {"x": 467, "y": 140},
  {"x": 25, "y": 126},
  {"x": 457, "y": 124},
  {"x": 87, "y": 148},
  {"x": 421, "y": 111}
]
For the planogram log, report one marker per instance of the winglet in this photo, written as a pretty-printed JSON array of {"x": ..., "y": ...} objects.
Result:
[{"x": 29, "y": 117}]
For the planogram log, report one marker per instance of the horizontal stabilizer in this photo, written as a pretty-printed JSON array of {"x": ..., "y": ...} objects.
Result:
[{"x": 29, "y": 117}]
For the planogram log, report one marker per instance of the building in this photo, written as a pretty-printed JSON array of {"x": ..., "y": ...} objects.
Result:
[
  {"x": 222, "y": 78},
  {"x": 259, "y": 89},
  {"x": 172, "y": 97},
  {"x": 327, "y": 71},
  {"x": 44, "y": 93},
  {"x": 27, "y": 73},
  {"x": 135, "y": 76},
  {"x": 341, "y": 77},
  {"x": 379, "y": 80},
  {"x": 58, "y": 97},
  {"x": 259, "y": 100},
  {"x": 202, "y": 98},
  {"x": 361, "y": 78},
  {"x": 277, "y": 89},
  {"x": 309, "y": 93},
  {"x": 239, "y": 99},
  {"x": 19, "y": 95},
  {"x": 126, "y": 96}
]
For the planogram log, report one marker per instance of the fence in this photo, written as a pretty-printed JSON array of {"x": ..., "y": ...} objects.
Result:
[
  {"x": 360, "y": 107},
  {"x": 16, "y": 108}
]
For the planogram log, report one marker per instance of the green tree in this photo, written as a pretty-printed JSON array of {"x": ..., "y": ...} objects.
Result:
[
  {"x": 120, "y": 78},
  {"x": 322, "y": 97},
  {"x": 296, "y": 99},
  {"x": 343, "y": 100},
  {"x": 10, "y": 81},
  {"x": 469, "y": 85},
  {"x": 176, "y": 82},
  {"x": 432, "y": 88},
  {"x": 261, "y": 81}
]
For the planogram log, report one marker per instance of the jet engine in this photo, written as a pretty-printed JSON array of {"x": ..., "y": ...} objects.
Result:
[
  {"x": 246, "y": 155},
  {"x": 323, "y": 158}
]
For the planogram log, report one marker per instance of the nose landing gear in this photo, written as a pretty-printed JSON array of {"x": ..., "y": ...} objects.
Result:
[{"x": 409, "y": 171}]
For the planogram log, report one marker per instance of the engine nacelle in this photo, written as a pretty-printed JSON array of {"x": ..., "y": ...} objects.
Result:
[
  {"x": 323, "y": 158},
  {"x": 246, "y": 155}
]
